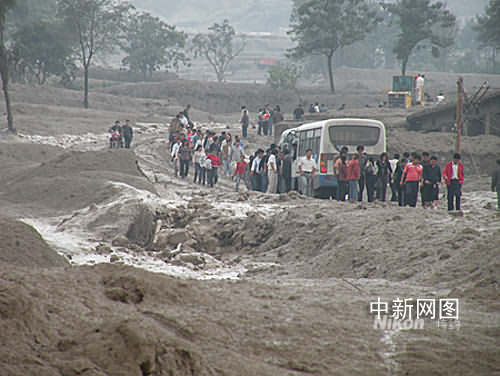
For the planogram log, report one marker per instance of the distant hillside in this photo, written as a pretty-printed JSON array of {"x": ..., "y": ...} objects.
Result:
[{"x": 252, "y": 15}]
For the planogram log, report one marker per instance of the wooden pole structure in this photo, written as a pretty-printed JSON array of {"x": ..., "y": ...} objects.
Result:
[{"x": 460, "y": 102}]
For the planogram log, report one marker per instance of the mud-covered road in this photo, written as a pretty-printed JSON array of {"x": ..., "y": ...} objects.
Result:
[{"x": 169, "y": 278}]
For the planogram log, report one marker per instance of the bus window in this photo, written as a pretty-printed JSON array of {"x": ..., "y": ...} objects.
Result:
[
  {"x": 354, "y": 135},
  {"x": 310, "y": 139}
]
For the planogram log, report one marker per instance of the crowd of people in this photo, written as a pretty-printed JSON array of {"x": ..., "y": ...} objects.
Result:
[{"x": 270, "y": 171}]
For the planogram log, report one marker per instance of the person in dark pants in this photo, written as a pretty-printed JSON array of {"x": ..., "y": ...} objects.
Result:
[
  {"x": 343, "y": 178},
  {"x": 127, "y": 133},
  {"x": 371, "y": 179},
  {"x": 245, "y": 121},
  {"x": 393, "y": 182},
  {"x": 453, "y": 177},
  {"x": 398, "y": 174},
  {"x": 495, "y": 183},
  {"x": 431, "y": 176},
  {"x": 185, "y": 156},
  {"x": 412, "y": 174},
  {"x": 286, "y": 169},
  {"x": 384, "y": 172},
  {"x": 362, "y": 164},
  {"x": 425, "y": 162},
  {"x": 256, "y": 170}
]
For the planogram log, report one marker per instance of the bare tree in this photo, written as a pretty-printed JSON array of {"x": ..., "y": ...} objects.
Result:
[
  {"x": 97, "y": 26},
  {"x": 5, "y": 5},
  {"x": 218, "y": 47}
]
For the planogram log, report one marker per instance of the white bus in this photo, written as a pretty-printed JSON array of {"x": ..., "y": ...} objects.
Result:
[{"x": 325, "y": 139}]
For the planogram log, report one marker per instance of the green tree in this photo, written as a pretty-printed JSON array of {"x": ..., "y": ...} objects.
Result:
[
  {"x": 5, "y": 6},
  {"x": 321, "y": 27},
  {"x": 97, "y": 26},
  {"x": 218, "y": 47},
  {"x": 283, "y": 77},
  {"x": 488, "y": 29},
  {"x": 151, "y": 44},
  {"x": 420, "y": 21},
  {"x": 43, "y": 48},
  {"x": 30, "y": 11}
]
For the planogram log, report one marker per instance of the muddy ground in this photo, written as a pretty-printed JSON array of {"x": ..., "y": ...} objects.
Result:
[{"x": 133, "y": 272}]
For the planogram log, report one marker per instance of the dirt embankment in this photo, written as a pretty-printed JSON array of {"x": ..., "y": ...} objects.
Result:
[
  {"x": 111, "y": 320},
  {"x": 71, "y": 180},
  {"x": 114, "y": 320},
  {"x": 22, "y": 245}
]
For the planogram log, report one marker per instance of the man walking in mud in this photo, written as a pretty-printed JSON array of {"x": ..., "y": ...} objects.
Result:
[
  {"x": 128, "y": 134},
  {"x": 453, "y": 177},
  {"x": 495, "y": 183}
]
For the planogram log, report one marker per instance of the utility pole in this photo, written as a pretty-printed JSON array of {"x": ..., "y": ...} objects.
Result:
[{"x": 460, "y": 102}]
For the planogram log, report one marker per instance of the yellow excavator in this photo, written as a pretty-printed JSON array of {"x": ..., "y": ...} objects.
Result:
[{"x": 403, "y": 93}]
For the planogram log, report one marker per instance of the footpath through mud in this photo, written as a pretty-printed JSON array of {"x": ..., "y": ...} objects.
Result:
[{"x": 269, "y": 284}]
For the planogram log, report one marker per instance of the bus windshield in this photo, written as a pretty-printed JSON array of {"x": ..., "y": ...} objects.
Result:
[{"x": 354, "y": 135}]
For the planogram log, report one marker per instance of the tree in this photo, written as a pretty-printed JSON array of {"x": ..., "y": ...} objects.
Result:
[
  {"x": 43, "y": 48},
  {"x": 97, "y": 26},
  {"x": 218, "y": 47},
  {"x": 5, "y": 6},
  {"x": 151, "y": 44},
  {"x": 488, "y": 29},
  {"x": 321, "y": 27},
  {"x": 420, "y": 21},
  {"x": 283, "y": 77}
]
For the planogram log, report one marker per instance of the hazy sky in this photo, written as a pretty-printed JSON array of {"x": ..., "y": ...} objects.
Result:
[{"x": 253, "y": 15}]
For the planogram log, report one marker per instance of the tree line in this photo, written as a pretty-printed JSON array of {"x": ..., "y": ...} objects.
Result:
[
  {"x": 56, "y": 38},
  {"x": 321, "y": 28},
  {"x": 59, "y": 37}
]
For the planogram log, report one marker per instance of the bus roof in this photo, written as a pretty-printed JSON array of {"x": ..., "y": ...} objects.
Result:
[{"x": 343, "y": 121}]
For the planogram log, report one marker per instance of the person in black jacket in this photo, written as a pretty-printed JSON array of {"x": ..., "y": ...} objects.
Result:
[
  {"x": 431, "y": 176},
  {"x": 384, "y": 173},
  {"x": 398, "y": 175},
  {"x": 127, "y": 133}
]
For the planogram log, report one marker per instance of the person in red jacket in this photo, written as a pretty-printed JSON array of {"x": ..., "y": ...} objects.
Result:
[
  {"x": 412, "y": 175},
  {"x": 453, "y": 177},
  {"x": 215, "y": 163},
  {"x": 353, "y": 175}
]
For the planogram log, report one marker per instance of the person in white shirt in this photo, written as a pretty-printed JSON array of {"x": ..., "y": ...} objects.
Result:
[
  {"x": 175, "y": 155},
  {"x": 307, "y": 169},
  {"x": 440, "y": 98},
  {"x": 199, "y": 158},
  {"x": 272, "y": 172},
  {"x": 419, "y": 84},
  {"x": 184, "y": 121}
]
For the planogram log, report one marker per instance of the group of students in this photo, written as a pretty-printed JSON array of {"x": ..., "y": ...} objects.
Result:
[{"x": 407, "y": 176}]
